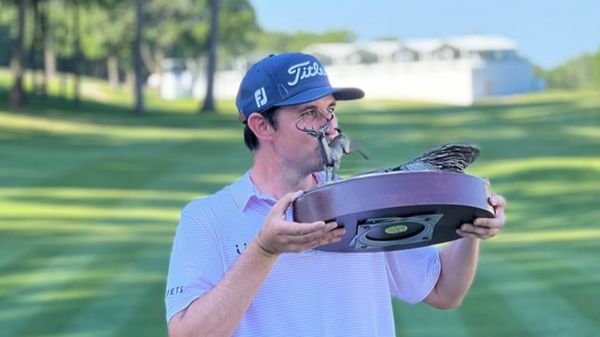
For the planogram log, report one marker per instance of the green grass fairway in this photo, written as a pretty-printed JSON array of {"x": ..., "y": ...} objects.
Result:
[{"x": 90, "y": 200}]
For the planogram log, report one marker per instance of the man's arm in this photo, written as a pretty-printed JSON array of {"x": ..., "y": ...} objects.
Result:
[
  {"x": 219, "y": 311},
  {"x": 459, "y": 258}
]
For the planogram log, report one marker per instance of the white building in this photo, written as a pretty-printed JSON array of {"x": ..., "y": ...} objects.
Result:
[{"x": 453, "y": 71}]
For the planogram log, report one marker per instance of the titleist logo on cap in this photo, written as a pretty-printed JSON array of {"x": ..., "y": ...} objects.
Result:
[{"x": 304, "y": 70}]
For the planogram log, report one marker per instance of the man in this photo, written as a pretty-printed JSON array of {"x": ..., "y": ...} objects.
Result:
[{"x": 230, "y": 270}]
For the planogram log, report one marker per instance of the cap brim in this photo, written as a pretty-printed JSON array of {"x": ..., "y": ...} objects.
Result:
[{"x": 341, "y": 94}]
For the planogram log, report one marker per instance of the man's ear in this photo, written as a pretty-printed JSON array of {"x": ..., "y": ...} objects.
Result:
[{"x": 260, "y": 126}]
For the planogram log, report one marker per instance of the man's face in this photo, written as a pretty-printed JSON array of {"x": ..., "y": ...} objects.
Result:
[{"x": 296, "y": 147}]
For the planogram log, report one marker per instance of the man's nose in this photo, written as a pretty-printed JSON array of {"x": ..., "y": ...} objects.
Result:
[{"x": 332, "y": 127}]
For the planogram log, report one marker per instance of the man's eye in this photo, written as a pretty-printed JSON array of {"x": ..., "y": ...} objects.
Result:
[{"x": 310, "y": 113}]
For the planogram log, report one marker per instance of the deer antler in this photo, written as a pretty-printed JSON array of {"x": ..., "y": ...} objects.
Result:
[{"x": 312, "y": 132}]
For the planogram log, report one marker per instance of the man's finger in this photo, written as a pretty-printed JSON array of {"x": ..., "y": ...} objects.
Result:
[
  {"x": 497, "y": 201},
  {"x": 467, "y": 234},
  {"x": 282, "y": 204},
  {"x": 495, "y": 222},
  {"x": 307, "y": 229},
  {"x": 478, "y": 230},
  {"x": 326, "y": 238},
  {"x": 319, "y": 232}
]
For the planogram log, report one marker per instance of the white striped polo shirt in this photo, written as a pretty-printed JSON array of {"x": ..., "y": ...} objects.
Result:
[{"x": 313, "y": 293}]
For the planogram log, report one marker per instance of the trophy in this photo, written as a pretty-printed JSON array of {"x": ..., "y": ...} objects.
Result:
[{"x": 419, "y": 203}]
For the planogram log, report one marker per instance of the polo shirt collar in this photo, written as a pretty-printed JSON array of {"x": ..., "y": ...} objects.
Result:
[{"x": 244, "y": 191}]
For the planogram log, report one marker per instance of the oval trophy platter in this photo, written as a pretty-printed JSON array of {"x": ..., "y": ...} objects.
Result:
[{"x": 397, "y": 210}]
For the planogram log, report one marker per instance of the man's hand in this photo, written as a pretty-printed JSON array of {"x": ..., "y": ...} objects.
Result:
[
  {"x": 484, "y": 228},
  {"x": 279, "y": 236}
]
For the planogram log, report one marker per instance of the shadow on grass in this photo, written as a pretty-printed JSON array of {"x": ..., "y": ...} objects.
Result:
[
  {"x": 103, "y": 291},
  {"x": 54, "y": 107}
]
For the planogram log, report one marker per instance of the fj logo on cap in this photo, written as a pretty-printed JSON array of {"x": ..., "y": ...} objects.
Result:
[{"x": 261, "y": 97}]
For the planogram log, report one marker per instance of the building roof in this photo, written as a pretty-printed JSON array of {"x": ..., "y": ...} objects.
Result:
[
  {"x": 481, "y": 43},
  {"x": 383, "y": 47},
  {"x": 333, "y": 50},
  {"x": 424, "y": 46}
]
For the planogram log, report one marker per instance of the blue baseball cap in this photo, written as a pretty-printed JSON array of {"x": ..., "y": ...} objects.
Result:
[{"x": 286, "y": 79}]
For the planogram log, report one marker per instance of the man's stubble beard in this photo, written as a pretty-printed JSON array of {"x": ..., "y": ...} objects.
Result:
[{"x": 311, "y": 164}]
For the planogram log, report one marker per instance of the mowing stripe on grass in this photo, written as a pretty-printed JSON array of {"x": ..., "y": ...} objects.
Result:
[
  {"x": 486, "y": 313},
  {"x": 12, "y": 253},
  {"x": 66, "y": 163},
  {"x": 120, "y": 299},
  {"x": 34, "y": 288},
  {"x": 17, "y": 273},
  {"x": 44, "y": 125},
  {"x": 62, "y": 325},
  {"x": 148, "y": 317},
  {"x": 568, "y": 274},
  {"x": 56, "y": 307},
  {"x": 534, "y": 302},
  {"x": 415, "y": 321}
]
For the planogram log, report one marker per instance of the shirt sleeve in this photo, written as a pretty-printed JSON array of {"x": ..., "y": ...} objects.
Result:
[
  {"x": 412, "y": 273},
  {"x": 196, "y": 264}
]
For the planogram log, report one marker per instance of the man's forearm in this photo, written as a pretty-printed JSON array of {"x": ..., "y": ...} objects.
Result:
[
  {"x": 219, "y": 311},
  {"x": 459, "y": 262}
]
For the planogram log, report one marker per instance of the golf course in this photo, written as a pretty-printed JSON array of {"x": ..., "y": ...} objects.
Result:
[{"x": 90, "y": 197}]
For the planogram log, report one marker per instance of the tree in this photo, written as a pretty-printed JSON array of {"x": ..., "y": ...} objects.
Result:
[
  {"x": 137, "y": 60},
  {"x": 61, "y": 42},
  {"x": 596, "y": 66},
  {"x": 78, "y": 54},
  {"x": 37, "y": 46},
  {"x": 576, "y": 73},
  {"x": 209, "y": 100},
  {"x": 237, "y": 28},
  {"x": 73, "y": 35},
  {"x": 181, "y": 29},
  {"x": 17, "y": 95},
  {"x": 108, "y": 35},
  {"x": 175, "y": 29},
  {"x": 49, "y": 55},
  {"x": 5, "y": 44},
  {"x": 294, "y": 42}
]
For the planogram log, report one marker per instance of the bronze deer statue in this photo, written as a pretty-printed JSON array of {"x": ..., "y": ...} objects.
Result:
[{"x": 331, "y": 154}]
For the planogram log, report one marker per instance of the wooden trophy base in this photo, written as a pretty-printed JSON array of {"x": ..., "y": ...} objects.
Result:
[{"x": 398, "y": 210}]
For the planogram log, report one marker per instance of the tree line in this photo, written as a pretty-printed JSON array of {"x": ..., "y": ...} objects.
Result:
[
  {"x": 126, "y": 40},
  {"x": 582, "y": 72},
  {"x": 132, "y": 37}
]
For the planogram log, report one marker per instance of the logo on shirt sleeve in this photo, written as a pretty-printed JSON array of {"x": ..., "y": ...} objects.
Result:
[
  {"x": 174, "y": 291},
  {"x": 239, "y": 249}
]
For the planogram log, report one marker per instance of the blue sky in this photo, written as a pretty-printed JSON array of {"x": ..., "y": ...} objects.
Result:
[{"x": 546, "y": 32}]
